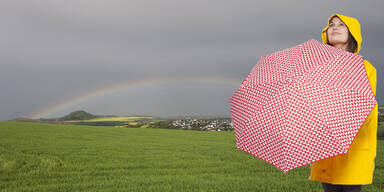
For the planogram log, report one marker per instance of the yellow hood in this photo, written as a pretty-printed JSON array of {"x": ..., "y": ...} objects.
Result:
[{"x": 353, "y": 26}]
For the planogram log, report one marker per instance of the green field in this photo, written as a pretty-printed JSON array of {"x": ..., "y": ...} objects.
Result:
[{"x": 52, "y": 157}]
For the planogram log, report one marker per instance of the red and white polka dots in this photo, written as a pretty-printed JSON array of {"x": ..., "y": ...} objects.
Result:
[{"x": 301, "y": 105}]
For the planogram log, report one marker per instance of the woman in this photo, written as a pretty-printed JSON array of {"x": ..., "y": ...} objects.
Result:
[{"x": 348, "y": 172}]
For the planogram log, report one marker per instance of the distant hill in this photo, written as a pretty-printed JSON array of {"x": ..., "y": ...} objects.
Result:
[{"x": 78, "y": 115}]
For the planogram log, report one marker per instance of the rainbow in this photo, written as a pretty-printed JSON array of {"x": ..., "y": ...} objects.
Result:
[{"x": 131, "y": 84}]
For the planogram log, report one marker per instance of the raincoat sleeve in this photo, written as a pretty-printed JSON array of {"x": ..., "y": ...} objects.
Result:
[
  {"x": 373, "y": 76},
  {"x": 373, "y": 116}
]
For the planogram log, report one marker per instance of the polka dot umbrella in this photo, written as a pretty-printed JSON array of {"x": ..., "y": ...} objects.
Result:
[{"x": 301, "y": 105}]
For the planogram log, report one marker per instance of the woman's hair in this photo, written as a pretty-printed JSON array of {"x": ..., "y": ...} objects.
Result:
[{"x": 352, "y": 43}]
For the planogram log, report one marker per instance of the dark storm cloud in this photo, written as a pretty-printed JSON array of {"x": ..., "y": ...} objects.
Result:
[{"x": 52, "y": 51}]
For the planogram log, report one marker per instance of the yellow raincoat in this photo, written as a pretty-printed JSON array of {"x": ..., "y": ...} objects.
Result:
[{"x": 357, "y": 166}]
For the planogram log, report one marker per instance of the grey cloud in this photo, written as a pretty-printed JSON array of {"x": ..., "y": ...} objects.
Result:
[{"x": 53, "y": 50}]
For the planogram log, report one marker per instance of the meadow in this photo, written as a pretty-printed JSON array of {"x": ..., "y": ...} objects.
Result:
[{"x": 53, "y": 157}]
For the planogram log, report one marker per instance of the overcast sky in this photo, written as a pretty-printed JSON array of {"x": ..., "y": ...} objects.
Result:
[{"x": 54, "y": 51}]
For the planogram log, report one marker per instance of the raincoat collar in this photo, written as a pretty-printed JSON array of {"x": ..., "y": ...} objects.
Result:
[{"x": 353, "y": 26}]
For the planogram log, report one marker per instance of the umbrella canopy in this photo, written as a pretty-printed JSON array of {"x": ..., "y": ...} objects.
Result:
[{"x": 301, "y": 105}]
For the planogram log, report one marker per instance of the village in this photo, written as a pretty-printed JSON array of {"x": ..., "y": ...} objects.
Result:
[{"x": 203, "y": 124}]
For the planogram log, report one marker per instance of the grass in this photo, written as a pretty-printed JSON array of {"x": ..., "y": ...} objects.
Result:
[{"x": 51, "y": 157}]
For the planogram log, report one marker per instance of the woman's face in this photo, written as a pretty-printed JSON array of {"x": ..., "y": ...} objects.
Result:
[{"x": 337, "y": 33}]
